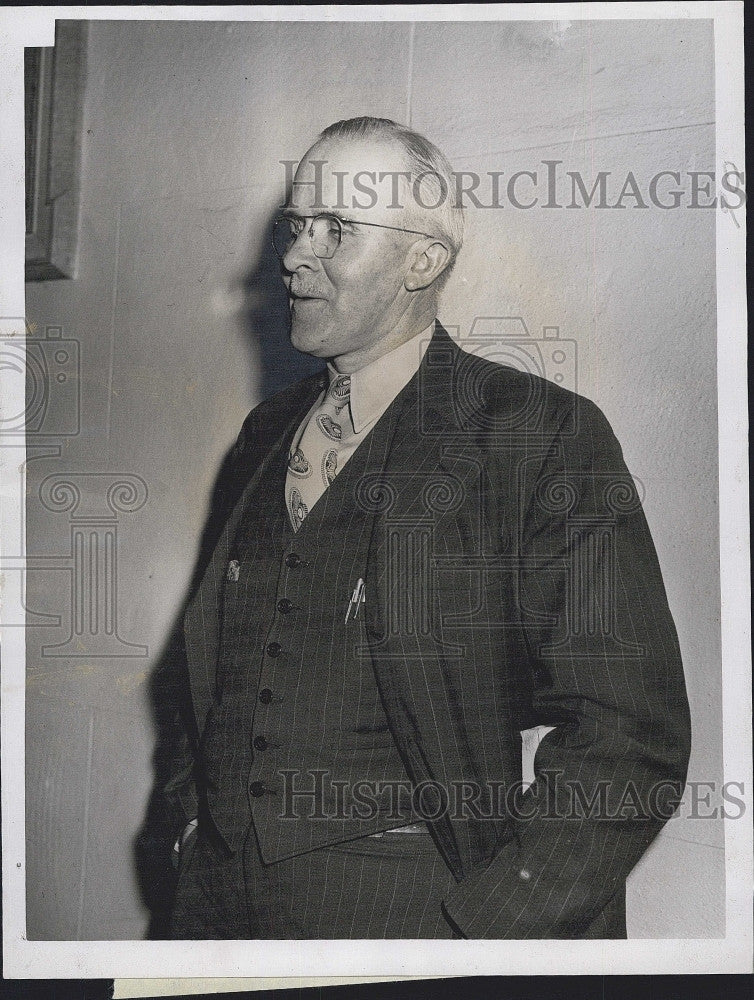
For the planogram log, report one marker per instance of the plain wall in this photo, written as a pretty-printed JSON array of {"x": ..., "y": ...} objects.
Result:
[{"x": 181, "y": 328}]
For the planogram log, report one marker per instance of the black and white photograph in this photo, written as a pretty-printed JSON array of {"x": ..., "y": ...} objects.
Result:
[{"x": 375, "y": 502}]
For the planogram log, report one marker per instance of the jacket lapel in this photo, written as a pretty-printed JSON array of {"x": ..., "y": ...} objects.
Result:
[{"x": 423, "y": 478}]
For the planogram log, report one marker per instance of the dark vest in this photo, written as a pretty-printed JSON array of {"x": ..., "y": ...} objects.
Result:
[{"x": 297, "y": 739}]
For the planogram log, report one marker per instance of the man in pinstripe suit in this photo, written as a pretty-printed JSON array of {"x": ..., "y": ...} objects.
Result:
[{"x": 415, "y": 556}]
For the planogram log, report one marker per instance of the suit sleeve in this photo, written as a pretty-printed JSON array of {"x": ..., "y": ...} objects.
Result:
[
  {"x": 605, "y": 671},
  {"x": 175, "y": 753}
]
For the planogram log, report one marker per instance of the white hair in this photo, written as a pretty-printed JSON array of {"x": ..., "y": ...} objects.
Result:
[{"x": 431, "y": 175}]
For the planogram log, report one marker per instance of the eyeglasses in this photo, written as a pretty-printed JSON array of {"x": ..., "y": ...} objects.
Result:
[{"x": 325, "y": 233}]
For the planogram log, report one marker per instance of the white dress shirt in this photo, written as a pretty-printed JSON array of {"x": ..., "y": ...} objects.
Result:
[{"x": 373, "y": 389}]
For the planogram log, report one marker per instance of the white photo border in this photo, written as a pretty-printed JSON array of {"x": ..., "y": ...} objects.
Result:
[{"x": 127, "y": 959}]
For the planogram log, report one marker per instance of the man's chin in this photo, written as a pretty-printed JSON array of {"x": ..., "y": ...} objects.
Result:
[{"x": 306, "y": 338}]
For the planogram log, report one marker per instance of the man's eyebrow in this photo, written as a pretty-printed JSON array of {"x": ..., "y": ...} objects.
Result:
[
  {"x": 342, "y": 218},
  {"x": 291, "y": 213}
]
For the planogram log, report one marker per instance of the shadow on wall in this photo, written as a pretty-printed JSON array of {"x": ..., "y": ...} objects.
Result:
[{"x": 265, "y": 322}]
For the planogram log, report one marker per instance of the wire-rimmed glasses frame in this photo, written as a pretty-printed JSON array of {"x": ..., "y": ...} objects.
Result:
[{"x": 325, "y": 242}]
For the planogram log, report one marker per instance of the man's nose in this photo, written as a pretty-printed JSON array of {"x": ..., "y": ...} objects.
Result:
[{"x": 300, "y": 253}]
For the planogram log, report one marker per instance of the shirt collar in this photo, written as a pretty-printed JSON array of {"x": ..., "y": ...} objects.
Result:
[{"x": 375, "y": 386}]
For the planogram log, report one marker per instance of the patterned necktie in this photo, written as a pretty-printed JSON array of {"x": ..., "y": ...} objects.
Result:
[{"x": 313, "y": 465}]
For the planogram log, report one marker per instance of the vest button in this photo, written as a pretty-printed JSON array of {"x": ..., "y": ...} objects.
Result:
[
  {"x": 292, "y": 560},
  {"x": 274, "y": 649},
  {"x": 265, "y": 696},
  {"x": 257, "y": 788},
  {"x": 285, "y": 606},
  {"x": 260, "y": 743}
]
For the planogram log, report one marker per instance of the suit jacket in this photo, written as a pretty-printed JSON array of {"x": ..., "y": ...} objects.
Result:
[{"x": 538, "y": 602}]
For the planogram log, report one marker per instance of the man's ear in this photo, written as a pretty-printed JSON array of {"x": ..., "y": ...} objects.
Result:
[{"x": 427, "y": 264}]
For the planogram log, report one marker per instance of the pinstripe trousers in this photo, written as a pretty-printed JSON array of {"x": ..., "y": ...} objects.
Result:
[{"x": 374, "y": 887}]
